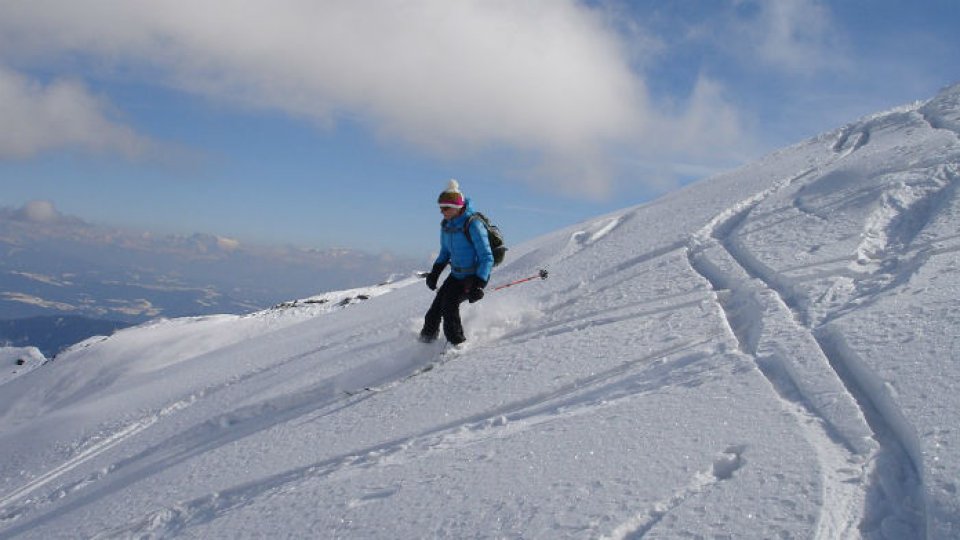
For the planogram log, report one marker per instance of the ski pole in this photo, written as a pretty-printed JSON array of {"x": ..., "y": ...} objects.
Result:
[{"x": 542, "y": 274}]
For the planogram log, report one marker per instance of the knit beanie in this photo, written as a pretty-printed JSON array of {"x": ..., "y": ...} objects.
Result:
[{"x": 451, "y": 197}]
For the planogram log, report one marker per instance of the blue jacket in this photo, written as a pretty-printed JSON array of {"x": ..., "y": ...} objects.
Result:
[{"x": 465, "y": 258}]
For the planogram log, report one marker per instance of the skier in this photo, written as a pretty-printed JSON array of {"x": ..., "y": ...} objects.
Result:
[{"x": 470, "y": 260}]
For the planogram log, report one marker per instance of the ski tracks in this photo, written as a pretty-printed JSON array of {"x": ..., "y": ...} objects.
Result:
[
  {"x": 817, "y": 381},
  {"x": 8, "y": 505},
  {"x": 216, "y": 431},
  {"x": 646, "y": 373},
  {"x": 723, "y": 468}
]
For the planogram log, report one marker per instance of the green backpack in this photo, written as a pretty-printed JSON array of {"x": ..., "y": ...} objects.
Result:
[{"x": 493, "y": 234}]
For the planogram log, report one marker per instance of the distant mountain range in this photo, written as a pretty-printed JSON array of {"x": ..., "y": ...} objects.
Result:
[{"x": 53, "y": 265}]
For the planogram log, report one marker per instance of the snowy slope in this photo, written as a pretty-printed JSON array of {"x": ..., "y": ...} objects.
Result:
[
  {"x": 16, "y": 361},
  {"x": 768, "y": 353}
]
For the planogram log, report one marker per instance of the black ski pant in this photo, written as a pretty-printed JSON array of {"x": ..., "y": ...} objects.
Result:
[{"x": 446, "y": 306}]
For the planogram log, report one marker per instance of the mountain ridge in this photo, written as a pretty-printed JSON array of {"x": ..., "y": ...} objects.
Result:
[{"x": 54, "y": 264}]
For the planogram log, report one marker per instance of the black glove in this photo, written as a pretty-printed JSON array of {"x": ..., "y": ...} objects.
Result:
[
  {"x": 434, "y": 275},
  {"x": 474, "y": 288}
]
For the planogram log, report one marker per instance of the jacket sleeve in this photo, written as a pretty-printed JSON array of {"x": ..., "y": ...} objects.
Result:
[
  {"x": 478, "y": 233},
  {"x": 444, "y": 256}
]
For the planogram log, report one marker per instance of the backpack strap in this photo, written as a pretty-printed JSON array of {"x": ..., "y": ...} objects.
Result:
[{"x": 466, "y": 227}]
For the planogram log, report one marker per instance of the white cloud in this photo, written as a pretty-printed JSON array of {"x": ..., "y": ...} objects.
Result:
[
  {"x": 36, "y": 118},
  {"x": 792, "y": 36},
  {"x": 706, "y": 125},
  {"x": 547, "y": 79},
  {"x": 38, "y": 212},
  {"x": 695, "y": 137}
]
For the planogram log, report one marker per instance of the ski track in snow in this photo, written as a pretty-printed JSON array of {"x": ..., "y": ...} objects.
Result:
[
  {"x": 888, "y": 256},
  {"x": 644, "y": 374},
  {"x": 86, "y": 455},
  {"x": 723, "y": 468},
  {"x": 711, "y": 257},
  {"x": 326, "y": 397},
  {"x": 867, "y": 454},
  {"x": 233, "y": 425}
]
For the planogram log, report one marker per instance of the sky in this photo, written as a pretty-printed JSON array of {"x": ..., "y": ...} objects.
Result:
[{"x": 337, "y": 123}]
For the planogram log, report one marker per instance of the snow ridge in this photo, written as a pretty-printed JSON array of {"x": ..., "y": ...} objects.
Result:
[{"x": 943, "y": 112}]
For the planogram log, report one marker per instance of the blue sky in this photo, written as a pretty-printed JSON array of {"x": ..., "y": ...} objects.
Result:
[{"x": 336, "y": 124}]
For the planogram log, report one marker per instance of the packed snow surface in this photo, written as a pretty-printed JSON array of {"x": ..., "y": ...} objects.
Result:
[{"x": 771, "y": 353}]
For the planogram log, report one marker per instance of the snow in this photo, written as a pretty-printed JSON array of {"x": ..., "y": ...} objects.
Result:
[
  {"x": 768, "y": 353},
  {"x": 16, "y": 361}
]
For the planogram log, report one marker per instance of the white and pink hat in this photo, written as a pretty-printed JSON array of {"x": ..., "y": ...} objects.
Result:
[{"x": 451, "y": 197}]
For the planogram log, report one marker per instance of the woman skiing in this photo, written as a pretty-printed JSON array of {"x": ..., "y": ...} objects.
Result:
[{"x": 470, "y": 260}]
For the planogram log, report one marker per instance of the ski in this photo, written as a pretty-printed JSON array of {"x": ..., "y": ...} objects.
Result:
[{"x": 449, "y": 352}]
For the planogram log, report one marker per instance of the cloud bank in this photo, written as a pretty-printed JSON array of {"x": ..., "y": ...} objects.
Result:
[{"x": 548, "y": 81}]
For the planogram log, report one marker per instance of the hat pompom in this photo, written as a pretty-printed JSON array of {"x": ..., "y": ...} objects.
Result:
[{"x": 453, "y": 185}]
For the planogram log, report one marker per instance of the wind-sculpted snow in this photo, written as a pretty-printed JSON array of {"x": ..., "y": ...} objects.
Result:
[
  {"x": 765, "y": 354},
  {"x": 16, "y": 361}
]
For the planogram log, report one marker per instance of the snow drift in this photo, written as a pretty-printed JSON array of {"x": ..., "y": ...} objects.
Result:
[{"x": 769, "y": 353}]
